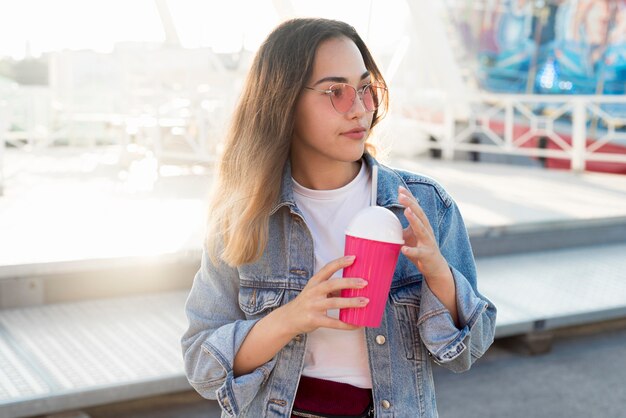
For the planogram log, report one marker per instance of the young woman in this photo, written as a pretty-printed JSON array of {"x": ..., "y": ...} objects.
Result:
[{"x": 264, "y": 337}]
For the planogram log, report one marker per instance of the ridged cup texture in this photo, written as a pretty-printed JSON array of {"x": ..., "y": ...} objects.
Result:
[{"x": 375, "y": 262}]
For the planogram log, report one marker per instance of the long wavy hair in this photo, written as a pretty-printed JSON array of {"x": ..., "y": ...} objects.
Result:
[{"x": 259, "y": 137}]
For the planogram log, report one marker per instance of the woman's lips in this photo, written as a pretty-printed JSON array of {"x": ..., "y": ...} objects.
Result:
[{"x": 354, "y": 133}]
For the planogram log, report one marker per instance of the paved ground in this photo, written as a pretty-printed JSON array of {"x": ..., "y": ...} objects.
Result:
[
  {"x": 582, "y": 377},
  {"x": 72, "y": 205},
  {"x": 65, "y": 198},
  {"x": 494, "y": 195}
]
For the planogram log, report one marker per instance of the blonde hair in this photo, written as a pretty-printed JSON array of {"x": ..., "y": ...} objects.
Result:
[{"x": 258, "y": 140}]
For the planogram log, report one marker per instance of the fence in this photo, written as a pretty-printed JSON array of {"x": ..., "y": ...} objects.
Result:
[
  {"x": 581, "y": 129},
  {"x": 187, "y": 131}
]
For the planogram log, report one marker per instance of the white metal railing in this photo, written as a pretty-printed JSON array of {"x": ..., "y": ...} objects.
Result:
[
  {"x": 189, "y": 132},
  {"x": 578, "y": 128}
]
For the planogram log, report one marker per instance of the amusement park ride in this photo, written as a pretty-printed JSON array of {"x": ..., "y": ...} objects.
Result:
[{"x": 549, "y": 79}]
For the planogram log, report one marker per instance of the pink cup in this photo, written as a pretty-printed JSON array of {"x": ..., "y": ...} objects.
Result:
[{"x": 375, "y": 238}]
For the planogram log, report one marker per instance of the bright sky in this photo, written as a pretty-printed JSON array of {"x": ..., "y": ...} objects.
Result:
[{"x": 224, "y": 25}]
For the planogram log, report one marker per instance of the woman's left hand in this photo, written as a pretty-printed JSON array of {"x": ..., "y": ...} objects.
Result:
[{"x": 420, "y": 244}]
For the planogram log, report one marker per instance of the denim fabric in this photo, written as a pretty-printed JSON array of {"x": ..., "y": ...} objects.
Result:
[{"x": 225, "y": 303}]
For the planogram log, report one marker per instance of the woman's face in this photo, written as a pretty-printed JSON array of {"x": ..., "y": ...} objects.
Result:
[{"x": 321, "y": 133}]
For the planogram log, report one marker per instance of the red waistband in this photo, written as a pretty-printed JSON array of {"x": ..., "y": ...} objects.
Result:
[{"x": 328, "y": 397}]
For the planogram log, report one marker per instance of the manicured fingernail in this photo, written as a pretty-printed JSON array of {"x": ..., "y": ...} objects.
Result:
[
  {"x": 362, "y": 282},
  {"x": 364, "y": 301},
  {"x": 350, "y": 257}
]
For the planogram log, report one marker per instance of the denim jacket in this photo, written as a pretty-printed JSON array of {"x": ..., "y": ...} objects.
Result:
[{"x": 225, "y": 303}]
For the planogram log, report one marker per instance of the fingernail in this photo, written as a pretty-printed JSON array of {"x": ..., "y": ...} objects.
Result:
[
  {"x": 405, "y": 250},
  {"x": 362, "y": 282},
  {"x": 350, "y": 257},
  {"x": 364, "y": 301}
]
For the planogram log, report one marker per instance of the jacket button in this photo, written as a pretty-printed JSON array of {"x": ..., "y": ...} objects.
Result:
[
  {"x": 385, "y": 404},
  {"x": 380, "y": 339}
]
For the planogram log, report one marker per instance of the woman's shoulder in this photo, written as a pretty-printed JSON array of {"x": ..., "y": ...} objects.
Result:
[{"x": 417, "y": 183}]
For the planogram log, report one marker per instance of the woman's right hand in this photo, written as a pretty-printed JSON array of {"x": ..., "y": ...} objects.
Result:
[{"x": 308, "y": 311}]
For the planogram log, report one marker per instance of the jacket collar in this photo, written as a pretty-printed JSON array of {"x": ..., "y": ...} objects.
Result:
[
  {"x": 388, "y": 182},
  {"x": 286, "y": 191}
]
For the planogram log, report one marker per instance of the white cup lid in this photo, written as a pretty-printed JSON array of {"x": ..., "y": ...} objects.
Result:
[{"x": 376, "y": 223}]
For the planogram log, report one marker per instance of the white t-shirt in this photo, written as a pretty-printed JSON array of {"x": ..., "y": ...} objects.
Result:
[{"x": 336, "y": 355}]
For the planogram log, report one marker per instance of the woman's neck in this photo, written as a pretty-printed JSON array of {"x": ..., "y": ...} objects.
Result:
[{"x": 329, "y": 176}]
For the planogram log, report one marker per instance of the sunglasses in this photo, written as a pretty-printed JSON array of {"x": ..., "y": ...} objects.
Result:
[{"x": 342, "y": 96}]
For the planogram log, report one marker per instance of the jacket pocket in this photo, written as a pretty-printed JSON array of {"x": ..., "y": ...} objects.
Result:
[
  {"x": 406, "y": 306},
  {"x": 257, "y": 301}
]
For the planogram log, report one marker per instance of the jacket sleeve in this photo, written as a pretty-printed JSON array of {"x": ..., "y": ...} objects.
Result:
[
  {"x": 453, "y": 348},
  {"x": 217, "y": 328}
]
